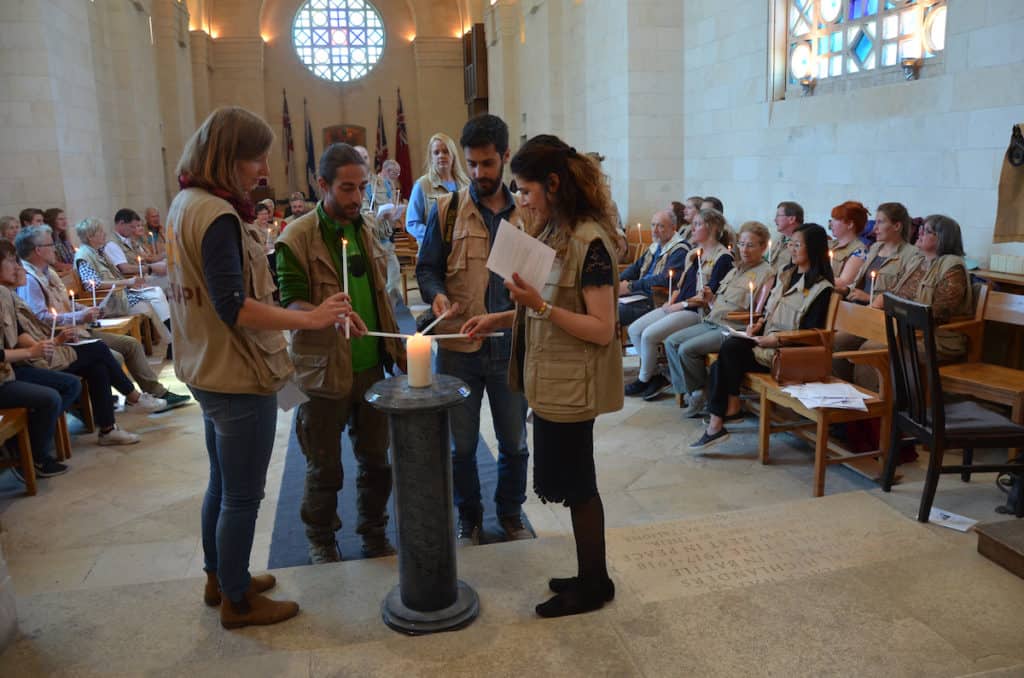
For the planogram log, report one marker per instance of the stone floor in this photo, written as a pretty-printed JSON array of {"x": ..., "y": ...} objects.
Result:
[{"x": 724, "y": 567}]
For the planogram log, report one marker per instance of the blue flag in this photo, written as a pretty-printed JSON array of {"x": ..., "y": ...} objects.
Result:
[{"x": 310, "y": 156}]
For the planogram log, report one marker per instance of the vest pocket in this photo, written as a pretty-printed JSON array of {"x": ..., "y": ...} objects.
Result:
[
  {"x": 562, "y": 385},
  {"x": 467, "y": 245}
]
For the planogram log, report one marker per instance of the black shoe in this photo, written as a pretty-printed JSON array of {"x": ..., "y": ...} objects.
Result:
[
  {"x": 469, "y": 532},
  {"x": 739, "y": 416},
  {"x": 655, "y": 387},
  {"x": 173, "y": 401},
  {"x": 563, "y": 584},
  {"x": 49, "y": 469},
  {"x": 577, "y": 600},
  {"x": 707, "y": 441},
  {"x": 377, "y": 547},
  {"x": 637, "y": 388}
]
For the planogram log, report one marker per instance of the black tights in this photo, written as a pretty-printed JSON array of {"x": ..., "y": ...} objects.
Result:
[{"x": 588, "y": 531}]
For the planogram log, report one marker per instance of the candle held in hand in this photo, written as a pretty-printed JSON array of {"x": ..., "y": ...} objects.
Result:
[
  {"x": 871, "y": 295},
  {"x": 418, "y": 354},
  {"x": 344, "y": 282},
  {"x": 93, "y": 293},
  {"x": 139, "y": 259},
  {"x": 751, "y": 286},
  {"x": 670, "y": 274},
  {"x": 53, "y": 327}
]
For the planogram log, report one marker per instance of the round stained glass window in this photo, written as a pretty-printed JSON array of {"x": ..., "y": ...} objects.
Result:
[{"x": 339, "y": 40}]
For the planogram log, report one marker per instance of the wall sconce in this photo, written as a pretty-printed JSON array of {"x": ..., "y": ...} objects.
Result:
[
  {"x": 911, "y": 68},
  {"x": 807, "y": 85}
]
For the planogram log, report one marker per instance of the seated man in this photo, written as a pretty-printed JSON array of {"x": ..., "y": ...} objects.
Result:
[
  {"x": 667, "y": 253},
  {"x": 44, "y": 290},
  {"x": 125, "y": 250},
  {"x": 297, "y": 203}
]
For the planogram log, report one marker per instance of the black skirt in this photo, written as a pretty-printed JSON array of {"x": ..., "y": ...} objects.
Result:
[{"x": 563, "y": 461}]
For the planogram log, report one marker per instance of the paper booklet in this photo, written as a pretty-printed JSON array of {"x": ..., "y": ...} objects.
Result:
[{"x": 515, "y": 251}]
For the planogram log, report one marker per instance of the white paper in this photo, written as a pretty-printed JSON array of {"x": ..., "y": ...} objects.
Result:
[
  {"x": 81, "y": 342},
  {"x": 632, "y": 298},
  {"x": 515, "y": 251},
  {"x": 838, "y": 395},
  {"x": 950, "y": 520},
  {"x": 731, "y": 332},
  {"x": 290, "y": 396},
  {"x": 111, "y": 322}
]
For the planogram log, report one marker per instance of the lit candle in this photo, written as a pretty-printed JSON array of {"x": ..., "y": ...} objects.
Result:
[
  {"x": 344, "y": 282},
  {"x": 700, "y": 273},
  {"x": 751, "y": 286},
  {"x": 871, "y": 296},
  {"x": 269, "y": 239},
  {"x": 93, "y": 282},
  {"x": 139, "y": 259},
  {"x": 53, "y": 327},
  {"x": 418, "y": 354},
  {"x": 670, "y": 274},
  {"x": 152, "y": 243},
  {"x": 72, "y": 301}
]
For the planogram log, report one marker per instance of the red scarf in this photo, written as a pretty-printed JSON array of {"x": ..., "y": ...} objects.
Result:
[{"x": 245, "y": 207}]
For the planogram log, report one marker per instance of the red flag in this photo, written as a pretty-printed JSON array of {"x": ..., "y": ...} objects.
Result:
[
  {"x": 402, "y": 151},
  {"x": 288, "y": 146},
  {"x": 381, "y": 153}
]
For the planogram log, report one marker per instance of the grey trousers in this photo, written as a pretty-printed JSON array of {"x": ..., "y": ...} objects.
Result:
[
  {"x": 134, "y": 357},
  {"x": 687, "y": 351},
  {"x": 648, "y": 331}
]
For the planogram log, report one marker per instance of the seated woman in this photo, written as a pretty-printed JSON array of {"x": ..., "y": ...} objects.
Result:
[
  {"x": 799, "y": 301},
  {"x": 687, "y": 349},
  {"x": 63, "y": 250},
  {"x": 846, "y": 250},
  {"x": 92, "y": 361},
  {"x": 942, "y": 282},
  {"x": 707, "y": 265},
  {"x": 131, "y": 295}
]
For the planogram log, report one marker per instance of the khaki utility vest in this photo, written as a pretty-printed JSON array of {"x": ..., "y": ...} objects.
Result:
[
  {"x": 674, "y": 243},
  {"x": 207, "y": 353},
  {"x": 709, "y": 256},
  {"x": 842, "y": 254},
  {"x": 466, "y": 274},
  {"x": 779, "y": 256},
  {"x": 734, "y": 292},
  {"x": 118, "y": 303},
  {"x": 131, "y": 249},
  {"x": 905, "y": 259},
  {"x": 63, "y": 356},
  {"x": 947, "y": 342},
  {"x": 431, "y": 192},
  {"x": 786, "y": 308},
  {"x": 10, "y": 330},
  {"x": 566, "y": 379},
  {"x": 55, "y": 294},
  {"x": 323, "y": 358}
]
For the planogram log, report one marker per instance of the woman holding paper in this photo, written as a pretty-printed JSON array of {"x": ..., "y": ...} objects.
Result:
[
  {"x": 231, "y": 351},
  {"x": 799, "y": 301},
  {"x": 564, "y": 355}
]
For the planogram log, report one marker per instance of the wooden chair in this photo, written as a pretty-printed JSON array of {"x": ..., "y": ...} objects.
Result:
[
  {"x": 14, "y": 422},
  {"x": 62, "y": 439},
  {"x": 407, "y": 250},
  {"x": 638, "y": 239},
  {"x": 920, "y": 411},
  {"x": 84, "y": 407},
  {"x": 992, "y": 383}
]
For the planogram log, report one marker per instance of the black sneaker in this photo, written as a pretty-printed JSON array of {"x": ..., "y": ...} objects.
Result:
[
  {"x": 173, "y": 401},
  {"x": 468, "y": 533},
  {"x": 707, "y": 441},
  {"x": 637, "y": 388},
  {"x": 50, "y": 468},
  {"x": 739, "y": 416},
  {"x": 655, "y": 387}
]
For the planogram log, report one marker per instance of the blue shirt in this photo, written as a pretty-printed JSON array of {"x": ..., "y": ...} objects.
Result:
[{"x": 416, "y": 213}]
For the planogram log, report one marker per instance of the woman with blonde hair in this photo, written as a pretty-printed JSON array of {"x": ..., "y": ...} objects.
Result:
[
  {"x": 564, "y": 354},
  {"x": 443, "y": 174},
  {"x": 231, "y": 350}
]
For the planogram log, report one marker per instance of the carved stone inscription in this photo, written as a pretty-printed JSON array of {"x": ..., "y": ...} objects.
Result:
[{"x": 731, "y": 550}]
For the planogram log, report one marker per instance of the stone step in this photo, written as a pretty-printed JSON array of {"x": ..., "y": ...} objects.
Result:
[{"x": 1003, "y": 543}]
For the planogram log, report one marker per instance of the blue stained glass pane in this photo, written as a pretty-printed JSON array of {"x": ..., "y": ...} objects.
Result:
[
  {"x": 837, "y": 42},
  {"x": 341, "y": 39},
  {"x": 862, "y": 47},
  {"x": 823, "y": 45},
  {"x": 872, "y": 7},
  {"x": 890, "y": 4},
  {"x": 857, "y": 8}
]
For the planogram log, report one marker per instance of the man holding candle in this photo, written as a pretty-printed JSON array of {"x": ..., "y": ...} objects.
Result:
[
  {"x": 453, "y": 276},
  {"x": 666, "y": 254},
  {"x": 325, "y": 251},
  {"x": 126, "y": 251}
]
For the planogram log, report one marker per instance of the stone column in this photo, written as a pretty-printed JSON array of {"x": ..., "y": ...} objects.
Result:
[
  {"x": 202, "y": 67},
  {"x": 174, "y": 83},
  {"x": 501, "y": 23},
  {"x": 8, "y": 613},
  {"x": 440, "y": 89}
]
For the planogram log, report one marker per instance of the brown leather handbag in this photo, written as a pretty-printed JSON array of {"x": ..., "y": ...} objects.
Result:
[{"x": 804, "y": 364}]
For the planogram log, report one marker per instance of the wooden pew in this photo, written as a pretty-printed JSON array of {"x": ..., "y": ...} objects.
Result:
[
  {"x": 14, "y": 422},
  {"x": 407, "y": 250}
]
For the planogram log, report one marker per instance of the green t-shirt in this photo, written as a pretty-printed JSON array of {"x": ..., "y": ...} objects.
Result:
[{"x": 293, "y": 282}]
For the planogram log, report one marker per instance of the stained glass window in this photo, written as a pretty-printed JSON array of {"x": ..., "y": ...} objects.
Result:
[
  {"x": 339, "y": 40},
  {"x": 833, "y": 38}
]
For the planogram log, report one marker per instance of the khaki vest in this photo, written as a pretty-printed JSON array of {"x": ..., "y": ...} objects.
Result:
[
  {"x": 947, "y": 342},
  {"x": 734, "y": 292},
  {"x": 566, "y": 379},
  {"x": 431, "y": 193},
  {"x": 63, "y": 356},
  {"x": 207, "y": 353},
  {"x": 131, "y": 249},
  {"x": 675, "y": 242},
  {"x": 786, "y": 308},
  {"x": 904, "y": 260},
  {"x": 779, "y": 256},
  {"x": 840, "y": 255},
  {"x": 54, "y": 292},
  {"x": 118, "y": 303},
  {"x": 709, "y": 257},
  {"x": 10, "y": 330},
  {"x": 323, "y": 358},
  {"x": 467, "y": 275}
]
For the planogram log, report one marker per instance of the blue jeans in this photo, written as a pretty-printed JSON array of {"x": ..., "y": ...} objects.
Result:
[
  {"x": 44, "y": 405},
  {"x": 240, "y": 431},
  {"x": 487, "y": 370}
]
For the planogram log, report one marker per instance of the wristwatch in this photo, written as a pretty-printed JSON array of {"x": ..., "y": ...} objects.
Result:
[{"x": 544, "y": 311}]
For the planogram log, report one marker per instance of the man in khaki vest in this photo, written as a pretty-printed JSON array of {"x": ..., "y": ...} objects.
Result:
[
  {"x": 333, "y": 371},
  {"x": 453, "y": 276},
  {"x": 789, "y": 216},
  {"x": 125, "y": 247}
]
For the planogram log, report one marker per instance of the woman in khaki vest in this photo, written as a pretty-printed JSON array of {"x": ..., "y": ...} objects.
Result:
[
  {"x": 799, "y": 301},
  {"x": 846, "y": 250},
  {"x": 444, "y": 174},
  {"x": 564, "y": 356},
  {"x": 229, "y": 346}
]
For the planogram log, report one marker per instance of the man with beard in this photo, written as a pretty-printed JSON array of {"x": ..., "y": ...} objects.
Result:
[
  {"x": 453, "y": 277},
  {"x": 335, "y": 371}
]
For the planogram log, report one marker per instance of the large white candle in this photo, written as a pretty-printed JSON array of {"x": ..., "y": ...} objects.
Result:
[
  {"x": 670, "y": 273},
  {"x": 871, "y": 295},
  {"x": 418, "y": 355},
  {"x": 53, "y": 327},
  {"x": 139, "y": 259},
  {"x": 751, "y": 286},
  {"x": 93, "y": 293},
  {"x": 700, "y": 273},
  {"x": 344, "y": 282}
]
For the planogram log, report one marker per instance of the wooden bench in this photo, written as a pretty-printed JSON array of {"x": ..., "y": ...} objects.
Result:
[
  {"x": 407, "y": 250},
  {"x": 14, "y": 423},
  {"x": 992, "y": 383}
]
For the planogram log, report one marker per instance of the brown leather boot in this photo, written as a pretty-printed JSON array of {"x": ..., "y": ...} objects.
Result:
[
  {"x": 258, "y": 583},
  {"x": 255, "y": 610}
]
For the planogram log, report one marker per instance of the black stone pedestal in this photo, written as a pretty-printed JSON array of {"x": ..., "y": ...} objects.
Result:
[{"x": 429, "y": 597}]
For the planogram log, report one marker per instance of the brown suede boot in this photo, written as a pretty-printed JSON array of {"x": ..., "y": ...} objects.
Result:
[
  {"x": 255, "y": 610},
  {"x": 258, "y": 583}
]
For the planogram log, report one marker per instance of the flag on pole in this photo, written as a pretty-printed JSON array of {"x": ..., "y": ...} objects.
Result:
[
  {"x": 310, "y": 156},
  {"x": 402, "y": 151},
  {"x": 381, "y": 153},
  {"x": 288, "y": 144}
]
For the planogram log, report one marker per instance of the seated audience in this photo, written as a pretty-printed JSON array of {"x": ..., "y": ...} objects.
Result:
[
  {"x": 44, "y": 290},
  {"x": 789, "y": 216},
  {"x": 9, "y": 227},
  {"x": 64, "y": 251},
  {"x": 30, "y": 216},
  {"x": 707, "y": 265},
  {"x": 799, "y": 301},
  {"x": 687, "y": 350},
  {"x": 297, "y": 205},
  {"x": 667, "y": 252},
  {"x": 846, "y": 250},
  {"x": 92, "y": 361},
  {"x": 131, "y": 295}
]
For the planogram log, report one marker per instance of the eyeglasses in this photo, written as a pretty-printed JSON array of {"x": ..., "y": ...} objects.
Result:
[
  {"x": 49, "y": 244},
  {"x": 748, "y": 245}
]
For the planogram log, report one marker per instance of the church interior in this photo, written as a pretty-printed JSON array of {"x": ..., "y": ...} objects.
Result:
[{"x": 776, "y": 552}]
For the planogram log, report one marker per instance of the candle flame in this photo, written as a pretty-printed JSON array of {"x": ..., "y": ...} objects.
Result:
[
  {"x": 874, "y": 273},
  {"x": 751, "y": 285}
]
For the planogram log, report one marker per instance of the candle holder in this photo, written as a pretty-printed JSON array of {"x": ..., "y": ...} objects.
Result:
[{"x": 429, "y": 596}]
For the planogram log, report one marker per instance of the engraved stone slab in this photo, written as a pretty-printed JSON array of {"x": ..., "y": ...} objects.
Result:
[{"x": 677, "y": 559}]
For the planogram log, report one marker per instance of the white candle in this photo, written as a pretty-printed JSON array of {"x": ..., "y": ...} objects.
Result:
[
  {"x": 53, "y": 327},
  {"x": 152, "y": 243},
  {"x": 670, "y": 273},
  {"x": 344, "y": 282},
  {"x": 72, "y": 302},
  {"x": 871, "y": 295},
  {"x": 269, "y": 240},
  {"x": 751, "y": 286},
  {"x": 700, "y": 273},
  {"x": 93, "y": 293},
  {"x": 139, "y": 259},
  {"x": 418, "y": 355}
]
